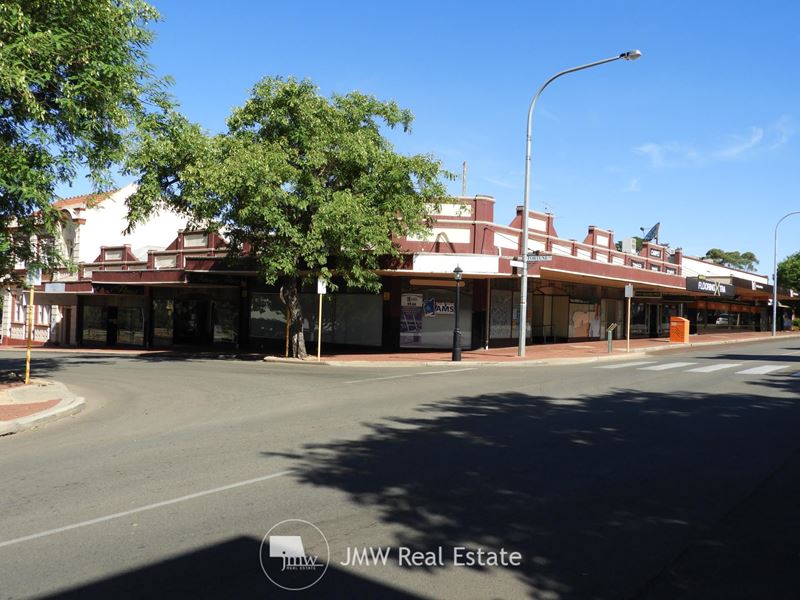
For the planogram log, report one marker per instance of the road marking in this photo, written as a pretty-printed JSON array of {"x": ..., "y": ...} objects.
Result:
[
  {"x": 147, "y": 507},
  {"x": 368, "y": 379},
  {"x": 667, "y": 366},
  {"x": 763, "y": 370},
  {"x": 378, "y": 378},
  {"x": 627, "y": 364},
  {"x": 712, "y": 368},
  {"x": 447, "y": 371}
]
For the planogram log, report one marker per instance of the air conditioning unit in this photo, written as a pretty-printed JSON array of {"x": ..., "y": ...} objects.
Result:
[{"x": 629, "y": 245}]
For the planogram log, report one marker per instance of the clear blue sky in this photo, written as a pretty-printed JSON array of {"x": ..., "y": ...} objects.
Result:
[{"x": 700, "y": 134}]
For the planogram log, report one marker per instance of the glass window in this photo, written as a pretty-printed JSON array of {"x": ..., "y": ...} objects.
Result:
[
  {"x": 130, "y": 326},
  {"x": 95, "y": 322},
  {"x": 162, "y": 321},
  {"x": 226, "y": 321},
  {"x": 438, "y": 318}
]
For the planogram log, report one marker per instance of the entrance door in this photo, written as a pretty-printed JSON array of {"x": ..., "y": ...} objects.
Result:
[
  {"x": 653, "y": 320},
  {"x": 191, "y": 322},
  {"x": 111, "y": 326},
  {"x": 67, "y": 325}
]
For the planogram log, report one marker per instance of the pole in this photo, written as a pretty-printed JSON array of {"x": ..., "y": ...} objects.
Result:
[
  {"x": 628, "y": 328},
  {"x": 775, "y": 273},
  {"x": 464, "y": 179},
  {"x": 29, "y": 336},
  {"x": 488, "y": 311},
  {"x": 288, "y": 320},
  {"x": 319, "y": 329},
  {"x": 523, "y": 292},
  {"x": 456, "y": 330}
]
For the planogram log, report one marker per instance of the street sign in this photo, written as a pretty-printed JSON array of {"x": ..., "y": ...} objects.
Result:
[
  {"x": 539, "y": 258},
  {"x": 629, "y": 290},
  {"x": 33, "y": 277},
  {"x": 322, "y": 287}
]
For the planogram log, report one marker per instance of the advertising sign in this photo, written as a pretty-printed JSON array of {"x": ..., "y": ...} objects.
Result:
[{"x": 713, "y": 288}]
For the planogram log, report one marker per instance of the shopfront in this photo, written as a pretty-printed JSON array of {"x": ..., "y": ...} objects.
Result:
[
  {"x": 159, "y": 317},
  {"x": 427, "y": 313}
]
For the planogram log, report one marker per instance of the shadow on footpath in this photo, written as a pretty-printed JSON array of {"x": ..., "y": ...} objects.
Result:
[
  {"x": 226, "y": 570},
  {"x": 600, "y": 494}
]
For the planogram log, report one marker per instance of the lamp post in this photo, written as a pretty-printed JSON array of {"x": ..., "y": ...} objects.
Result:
[
  {"x": 523, "y": 299},
  {"x": 456, "y": 331},
  {"x": 775, "y": 272}
]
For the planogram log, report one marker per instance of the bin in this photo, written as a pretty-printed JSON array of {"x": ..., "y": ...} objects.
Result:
[{"x": 679, "y": 330}]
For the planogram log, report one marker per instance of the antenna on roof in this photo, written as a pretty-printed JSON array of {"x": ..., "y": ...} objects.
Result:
[
  {"x": 464, "y": 179},
  {"x": 651, "y": 235}
]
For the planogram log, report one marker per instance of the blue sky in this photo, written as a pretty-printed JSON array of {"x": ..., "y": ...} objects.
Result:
[{"x": 700, "y": 134}]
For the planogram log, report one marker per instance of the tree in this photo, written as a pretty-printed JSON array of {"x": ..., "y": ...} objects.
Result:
[
  {"x": 789, "y": 272},
  {"x": 737, "y": 260},
  {"x": 73, "y": 80},
  {"x": 307, "y": 186}
]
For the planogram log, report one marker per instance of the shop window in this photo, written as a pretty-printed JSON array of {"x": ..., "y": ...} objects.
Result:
[
  {"x": 130, "y": 326},
  {"x": 433, "y": 310},
  {"x": 162, "y": 321},
  {"x": 95, "y": 322}
]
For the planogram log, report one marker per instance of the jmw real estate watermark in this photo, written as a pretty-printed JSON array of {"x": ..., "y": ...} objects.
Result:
[
  {"x": 457, "y": 556},
  {"x": 295, "y": 555}
]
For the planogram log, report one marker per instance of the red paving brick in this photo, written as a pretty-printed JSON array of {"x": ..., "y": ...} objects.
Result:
[
  {"x": 9, "y": 412},
  {"x": 550, "y": 351}
]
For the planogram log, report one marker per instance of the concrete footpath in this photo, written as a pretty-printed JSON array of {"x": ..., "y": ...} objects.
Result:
[{"x": 27, "y": 406}]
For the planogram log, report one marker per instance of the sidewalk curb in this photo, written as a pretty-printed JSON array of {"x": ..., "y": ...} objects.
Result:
[
  {"x": 70, "y": 404},
  {"x": 616, "y": 356}
]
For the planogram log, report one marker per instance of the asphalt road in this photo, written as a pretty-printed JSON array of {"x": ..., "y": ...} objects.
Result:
[{"x": 675, "y": 475}]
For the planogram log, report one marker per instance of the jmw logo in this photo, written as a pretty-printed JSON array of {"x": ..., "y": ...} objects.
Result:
[{"x": 290, "y": 549}]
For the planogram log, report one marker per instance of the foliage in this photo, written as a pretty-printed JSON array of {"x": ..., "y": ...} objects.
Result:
[
  {"x": 734, "y": 259},
  {"x": 789, "y": 272},
  {"x": 73, "y": 79},
  {"x": 308, "y": 185}
]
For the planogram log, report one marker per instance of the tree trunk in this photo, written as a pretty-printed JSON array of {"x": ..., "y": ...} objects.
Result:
[{"x": 297, "y": 343}]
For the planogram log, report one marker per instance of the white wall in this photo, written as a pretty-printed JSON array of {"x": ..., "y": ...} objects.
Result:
[
  {"x": 692, "y": 267},
  {"x": 106, "y": 222}
]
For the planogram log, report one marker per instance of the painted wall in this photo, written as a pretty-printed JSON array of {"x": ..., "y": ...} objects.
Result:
[{"x": 106, "y": 222}]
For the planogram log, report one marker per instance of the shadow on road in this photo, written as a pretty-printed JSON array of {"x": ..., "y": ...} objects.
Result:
[
  {"x": 600, "y": 494},
  {"x": 226, "y": 570}
]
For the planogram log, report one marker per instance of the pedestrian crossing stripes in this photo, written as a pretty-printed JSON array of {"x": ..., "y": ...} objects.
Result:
[
  {"x": 763, "y": 370},
  {"x": 630, "y": 364},
  {"x": 712, "y": 368},
  {"x": 667, "y": 366},
  {"x": 651, "y": 365}
]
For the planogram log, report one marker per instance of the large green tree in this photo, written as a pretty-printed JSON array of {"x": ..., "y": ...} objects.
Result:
[
  {"x": 308, "y": 186},
  {"x": 789, "y": 272},
  {"x": 738, "y": 260},
  {"x": 73, "y": 80}
]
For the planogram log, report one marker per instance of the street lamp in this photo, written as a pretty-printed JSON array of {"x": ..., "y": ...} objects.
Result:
[
  {"x": 775, "y": 272},
  {"x": 456, "y": 331},
  {"x": 523, "y": 300}
]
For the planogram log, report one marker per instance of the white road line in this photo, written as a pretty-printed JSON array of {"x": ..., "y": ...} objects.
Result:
[
  {"x": 379, "y": 378},
  {"x": 667, "y": 366},
  {"x": 627, "y": 364},
  {"x": 712, "y": 368},
  {"x": 368, "y": 379},
  {"x": 447, "y": 371},
  {"x": 133, "y": 511},
  {"x": 763, "y": 370}
]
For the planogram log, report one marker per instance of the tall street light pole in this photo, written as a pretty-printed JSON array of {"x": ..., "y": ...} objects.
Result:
[
  {"x": 775, "y": 272},
  {"x": 457, "y": 272},
  {"x": 523, "y": 300}
]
